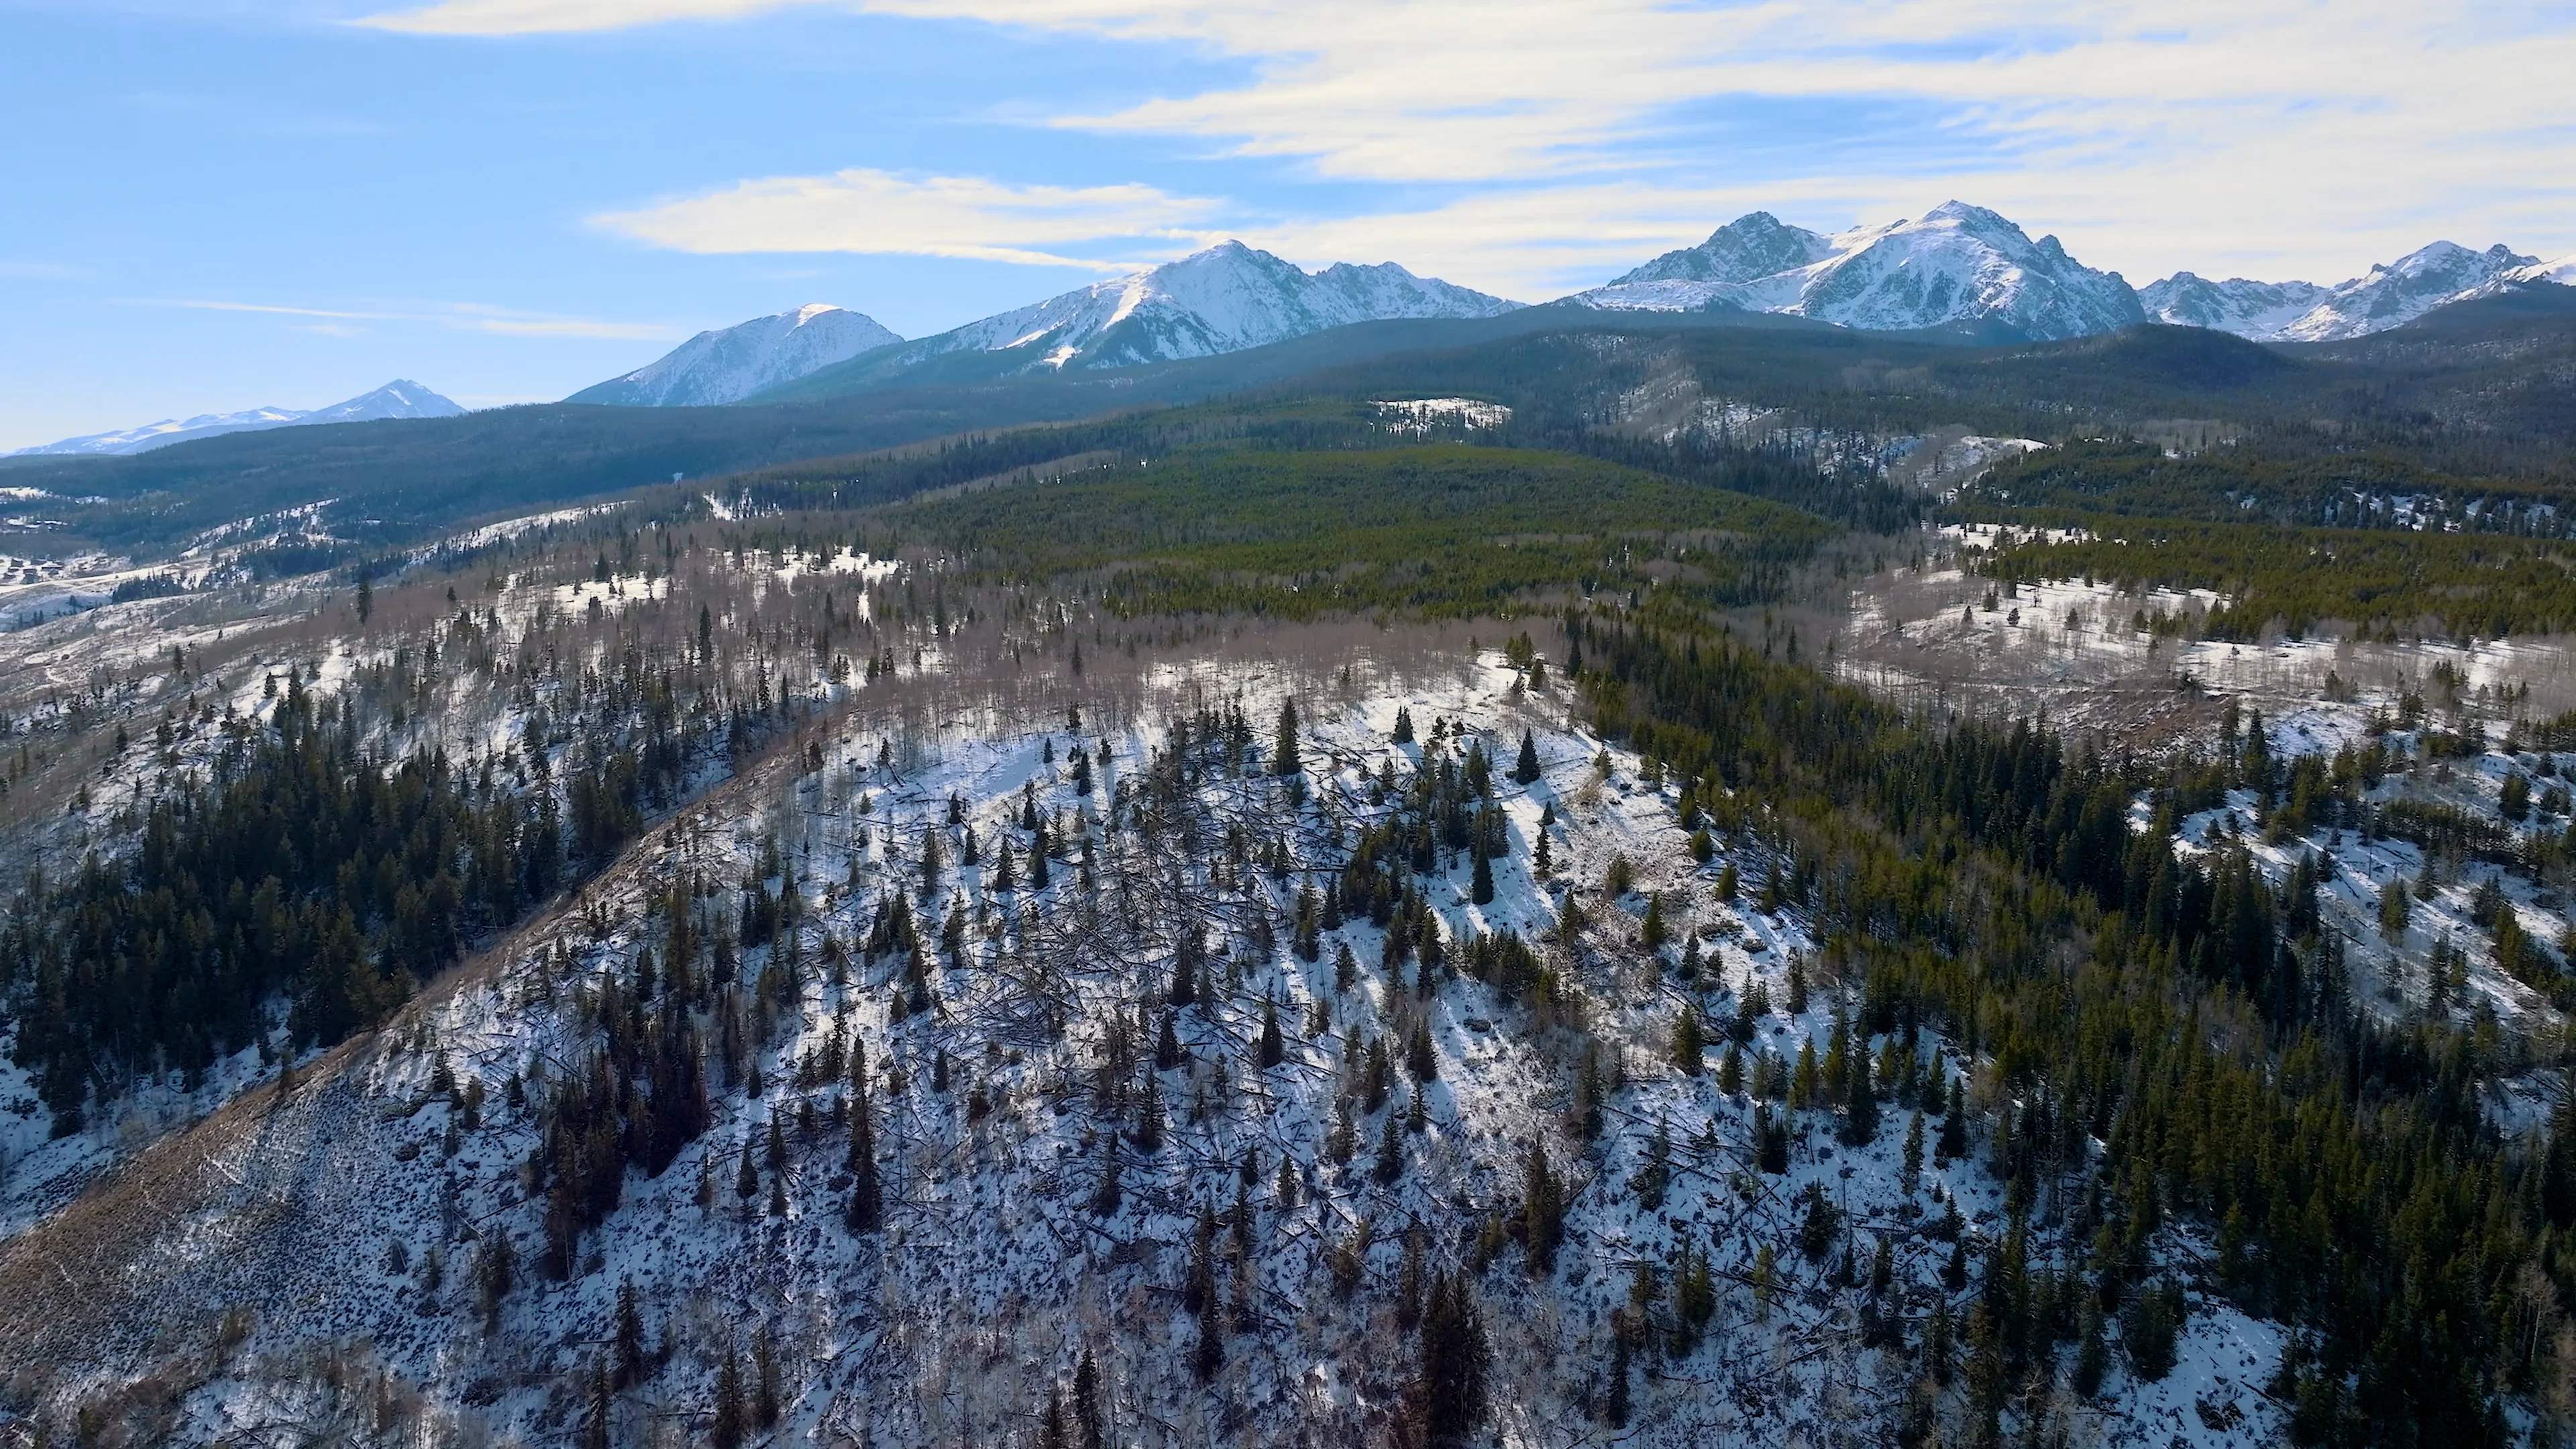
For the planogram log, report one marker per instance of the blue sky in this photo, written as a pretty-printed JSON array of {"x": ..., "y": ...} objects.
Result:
[{"x": 216, "y": 205}]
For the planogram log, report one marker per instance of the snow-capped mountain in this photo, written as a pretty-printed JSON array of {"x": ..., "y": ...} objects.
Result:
[
  {"x": 1956, "y": 264},
  {"x": 2384, "y": 297},
  {"x": 731, "y": 364},
  {"x": 2246, "y": 308},
  {"x": 401, "y": 398},
  {"x": 1224, "y": 299}
]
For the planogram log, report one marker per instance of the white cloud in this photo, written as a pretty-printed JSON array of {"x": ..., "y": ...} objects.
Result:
[
  {"x": 2280, "y": 134},
  {"x": 942, "y": 216},
  {"x": 460, "y": 316}
]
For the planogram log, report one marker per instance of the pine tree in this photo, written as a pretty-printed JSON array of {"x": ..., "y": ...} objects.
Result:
[
  {"x": 594, "y": 1418},
  {"x": 1454, "y": 1360},
  {"x": 1544, "y": 1205},
  {"x": 867, "y": 1193},
  {"x": 1690, "y": 1042},
  {"x": 1860, "y": 1098},
  {"x": 764, "y": 1362},
  {"x": 1419, "y": 1057},
  {"x": 1652, "y": 932},
  {"x": 1614, "y": 1403},
  {"x": 1390, "y": 1152},
  {"x": 1052, "y": 1433},
  {"x": 1283, "y": 750},
  {"x": 497, "y": 1276},
  {"x": 1271, "y": 1049},
  {"x": 1105, "y": 1197},
  {"x": 1167, "y": 1046},
  {"x": 1403, "y": 726},
  {"x": 1953, "y": 1142},
  {"x": 1913, "y": 1151},
  {"x": 2092, "y": 1352},
  {"x": 2395, "y": 909},
  {"x": 1089, "y": 1420},
  {"x": 1526, "y": 768},
  {"x": 632, "y": 1366},
  {"x": 1730, "y": 1070},
  {"x": 729, "y": 1427},
  {"x": 1480, "y": 888}
]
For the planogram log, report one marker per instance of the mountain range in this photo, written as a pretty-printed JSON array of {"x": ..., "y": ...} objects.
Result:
[
  {"x": 1958, "y": 269},
  {"x": 400, "y": 398}
]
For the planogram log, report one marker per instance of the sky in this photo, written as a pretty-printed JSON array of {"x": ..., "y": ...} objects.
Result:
[{"x": 221, "y": 204}]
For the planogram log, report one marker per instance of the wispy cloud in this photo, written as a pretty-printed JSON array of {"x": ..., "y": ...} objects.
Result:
[
  {"x": 32, "y": 271},
  {"x": 460, "y": 316},
  {"x": 864, "y": 210},
  {"x": 2238, "y": 125}
]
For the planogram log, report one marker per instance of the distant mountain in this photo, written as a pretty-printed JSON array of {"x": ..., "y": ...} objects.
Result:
[
  {"x": 734, "y": 363},
  {"x": 2384, "y": 297},
  {"x": 2246, "y": 308},
  {"x": 1225, "y": 299},
  {"x": 400, "y": 398},
  {"x": 1957, "y": 266}
]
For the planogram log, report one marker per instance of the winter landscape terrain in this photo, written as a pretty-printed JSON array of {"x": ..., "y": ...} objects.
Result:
[{"x": 1422, "y": 872}]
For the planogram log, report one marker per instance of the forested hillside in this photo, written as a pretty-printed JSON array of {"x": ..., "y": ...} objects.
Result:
[{"x": 1442, "y": 900}]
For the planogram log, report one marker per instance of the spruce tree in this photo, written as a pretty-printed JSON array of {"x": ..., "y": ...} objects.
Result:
[
  {"x": 1089, "y": 1416},
  {"x": 1454, "y": 1360},
  {"x": 1480, "y": 887},
  {"x": 729, "y": 1426},
  {"x": 1614, "y": 1402},
  {"x": 1690, "y": 1041},
  {"x": 594, "y": 1418},
  {"x": 632, "y": 1366},
  {"x": 867, "y": 1194},
  {"x": 764, "y": 1363},
  {"x": 1544, "y": 1206},
  {"x": 1271, "y": 1049},
  {"x": 1526, "y": 769},
  {"x": 1052, "y": 1433},
  {"x": 1283, "y": 749},
  {"x": 1860, "y": 1097},
  {"x": 1390, "y": 1152}
]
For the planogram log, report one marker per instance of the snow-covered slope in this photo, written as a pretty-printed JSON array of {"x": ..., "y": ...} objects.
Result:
[
  {"x": 2561, "y": 272},
  {"x": 1955, "y": 265},
  {"x": 2386, "y": 296},
  {"x": 1224, "y": 299},
  {"x": 400, "y": 398},
  {"x": 2246, "y": 308},
  {"x": 732, "y": 364}
]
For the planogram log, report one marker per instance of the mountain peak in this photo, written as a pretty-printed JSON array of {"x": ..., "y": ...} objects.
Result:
[
  {"x": 2389, "y": 294},
  {"x": 1956, "y": 265},
  {"x": 732, "y": 363},
  {"x": 400, "y": 398},
  {"x": 1226, "y": 298}
]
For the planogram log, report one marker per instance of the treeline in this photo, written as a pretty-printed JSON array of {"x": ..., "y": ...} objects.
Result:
[
  {"x": 2183, "y": 1012},
  {"x": 2388, "y": 585}
]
